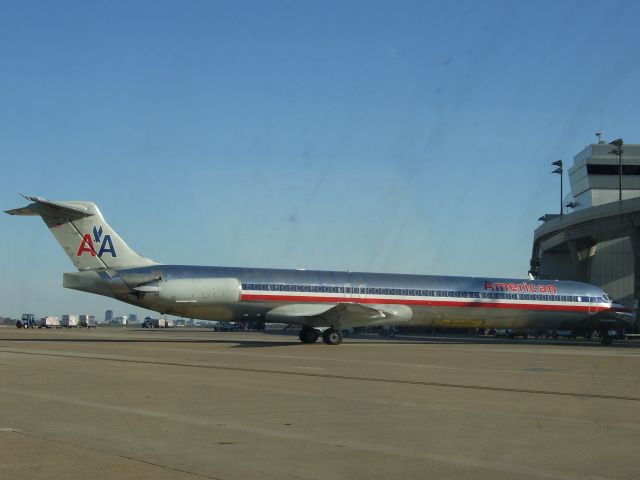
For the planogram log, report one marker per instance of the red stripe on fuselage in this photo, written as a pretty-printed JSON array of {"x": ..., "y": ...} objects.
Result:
[{"x": 422, "y": 303}]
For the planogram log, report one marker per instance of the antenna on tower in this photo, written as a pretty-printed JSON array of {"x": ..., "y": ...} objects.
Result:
[{"x": 601, "y": 134}]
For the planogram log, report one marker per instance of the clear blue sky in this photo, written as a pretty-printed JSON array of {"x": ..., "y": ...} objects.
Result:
[{"x": 410, "y": 137}]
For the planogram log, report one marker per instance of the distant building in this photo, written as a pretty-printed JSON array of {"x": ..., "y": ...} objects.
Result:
[
  {"x": 133, "y": 318},
  {"x": 108, "y": 316},
  {"x": 119, "y": 320},
  {"x": 598, "y": 242}
]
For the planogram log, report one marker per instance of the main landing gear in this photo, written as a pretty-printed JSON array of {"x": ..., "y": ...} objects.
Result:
[
  {"x": 329, "y": 336},
  {"x": 308, "y": 335},
  {"x": 605, "y": 338},
  {"x": 332, "y": 337}
]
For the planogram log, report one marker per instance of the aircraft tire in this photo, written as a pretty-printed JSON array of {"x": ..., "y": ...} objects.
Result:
[
  {"x": 308, "y": 335},
  {"x": 332, "y": 337},
  {"x": 606, "y": 340}
]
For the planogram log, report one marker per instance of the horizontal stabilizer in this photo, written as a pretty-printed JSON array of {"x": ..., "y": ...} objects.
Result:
[
  {"x": 47, "y": 208},
  {"x": 83, "y": 233}
]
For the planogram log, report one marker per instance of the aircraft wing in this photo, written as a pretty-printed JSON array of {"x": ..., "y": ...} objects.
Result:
[{"x": 339, "y": 315}]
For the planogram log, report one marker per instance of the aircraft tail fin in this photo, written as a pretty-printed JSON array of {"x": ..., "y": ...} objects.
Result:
[{"x": 85, "y": 236}]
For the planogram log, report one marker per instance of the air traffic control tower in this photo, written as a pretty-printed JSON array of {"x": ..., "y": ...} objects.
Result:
[{"x": 597, "y": 238}]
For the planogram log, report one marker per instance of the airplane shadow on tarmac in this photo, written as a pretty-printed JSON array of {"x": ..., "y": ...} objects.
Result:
[
  {"x": 479, "y": 340},
  {"x": 238, "y": 342},
  {"x": 189, "y": 341}
]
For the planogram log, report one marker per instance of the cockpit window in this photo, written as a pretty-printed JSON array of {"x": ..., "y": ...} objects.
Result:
[{"x": 607, "y": 298}]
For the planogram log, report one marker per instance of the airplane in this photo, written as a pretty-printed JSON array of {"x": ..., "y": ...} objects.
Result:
[{"x": 322, "y": 303}]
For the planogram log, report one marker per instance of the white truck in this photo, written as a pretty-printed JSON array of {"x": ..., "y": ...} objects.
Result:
[
  {"x": 70, "y": 321},
  {"x": 161, "y": 322},
  {"x": 87, "y": 321},
  {"x": 164, "y": 322},
  {"x": 49, "y": 322}
]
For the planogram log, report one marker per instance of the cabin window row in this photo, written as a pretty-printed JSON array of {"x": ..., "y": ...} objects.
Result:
[{"x": 415, "y": 293}]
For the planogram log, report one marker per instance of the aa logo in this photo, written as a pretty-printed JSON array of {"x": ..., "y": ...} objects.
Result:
[{"x": 89, "y": 244}]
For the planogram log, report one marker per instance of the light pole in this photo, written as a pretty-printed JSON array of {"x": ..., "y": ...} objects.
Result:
[
  {"x": 618, "y": 151},
  {"x": 558, "y": 163}
]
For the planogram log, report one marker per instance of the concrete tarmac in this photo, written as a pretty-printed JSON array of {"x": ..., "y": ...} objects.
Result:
[{"x": 185, "y": 404}]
